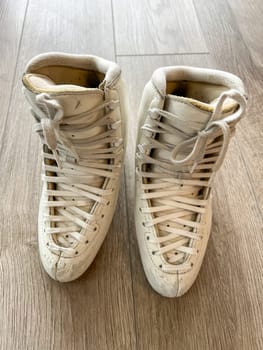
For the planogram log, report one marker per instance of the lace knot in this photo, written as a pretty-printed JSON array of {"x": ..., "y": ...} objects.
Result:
[
  {"x": 51, "y": 116},
  {"x": 49, "y": 126},
  {"x": 216, "y": 122}
]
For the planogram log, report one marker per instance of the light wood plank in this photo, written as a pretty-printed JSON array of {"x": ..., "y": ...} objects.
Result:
[
  {"x": 248, "y": 15},
  {"x": 157, "y": 27},
  {"x": 223, "y": 308},
  {"x": 96, "y": 311},
  {"x": 11, "y": 25}
]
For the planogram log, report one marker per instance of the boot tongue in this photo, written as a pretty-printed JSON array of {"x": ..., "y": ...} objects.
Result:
[
  {"x": 193, "y": 114},
  {"x": 42, "y": 83},
  {"x": 190, "y": 116},
  {"x": 188, "y": 120},
  {"x": 74, "y": 99}
]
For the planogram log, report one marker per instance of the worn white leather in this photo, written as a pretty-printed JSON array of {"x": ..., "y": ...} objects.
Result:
[
  {"x": 182, "y": 141},
  {"x": 82, "y": 129}
]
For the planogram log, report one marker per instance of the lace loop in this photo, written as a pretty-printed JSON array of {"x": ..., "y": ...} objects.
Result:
[
  {"x": 50, "y": 125},
  {"x": 200, "y": 141}
]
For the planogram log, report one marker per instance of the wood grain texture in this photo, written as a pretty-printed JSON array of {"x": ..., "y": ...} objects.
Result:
[
  {"x": 223, "y": 310},
  {"x": 96, "y": 311},
  {"x": 112, "y": 306},
  {"x": 248, "y": 16},
  {"x": 157, "y": 27},
  {"x": 11, "y": 25}
]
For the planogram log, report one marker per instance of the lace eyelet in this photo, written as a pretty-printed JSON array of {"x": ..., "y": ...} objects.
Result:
[
  {"x": 102, "y": 216},
  {"x": 86, "y": 242},
  {"x": 108, "y": 203},
  {"x": 147, "y": 237},
  {"x": 153, "y": 114},
  {"x": 76, "y": 252},
  {"x": 161, "y": 266},
  {"x": 153, "y": 252}
]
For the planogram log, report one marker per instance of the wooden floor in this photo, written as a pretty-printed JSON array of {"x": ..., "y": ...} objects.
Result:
[{"x": 112, "y": 306}]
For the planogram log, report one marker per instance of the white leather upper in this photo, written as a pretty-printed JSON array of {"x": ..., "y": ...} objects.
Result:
[
  {"x": 172, "y": 275},
  {"x": 64, "y": 254}
]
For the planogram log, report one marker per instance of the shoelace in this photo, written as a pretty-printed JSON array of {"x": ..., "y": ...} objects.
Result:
[
  {"x": 70, "y": 164},
  {"x": 180, "y": 204}
]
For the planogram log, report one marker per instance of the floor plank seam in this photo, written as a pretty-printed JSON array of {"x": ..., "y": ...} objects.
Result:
[
  {"x": 125, "y": 196},
  {"x": 15, "y": 70},
  {"x": 164, "y": 54},
  {"x": 250, "y": 181},
  {"x": 130, "y": 254},
  {"x": 113, "y": 29}
]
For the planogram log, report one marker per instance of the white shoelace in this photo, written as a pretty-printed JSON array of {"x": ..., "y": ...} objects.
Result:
[
  {"x": 180, "y": 188},
  {"x": 71, "y": 164}
]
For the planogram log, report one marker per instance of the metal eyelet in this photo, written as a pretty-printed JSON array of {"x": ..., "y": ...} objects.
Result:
[{"x": 153, "y": 114}]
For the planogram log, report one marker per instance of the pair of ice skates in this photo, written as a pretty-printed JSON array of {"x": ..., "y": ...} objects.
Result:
[{"x": 186, "y": 118}]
